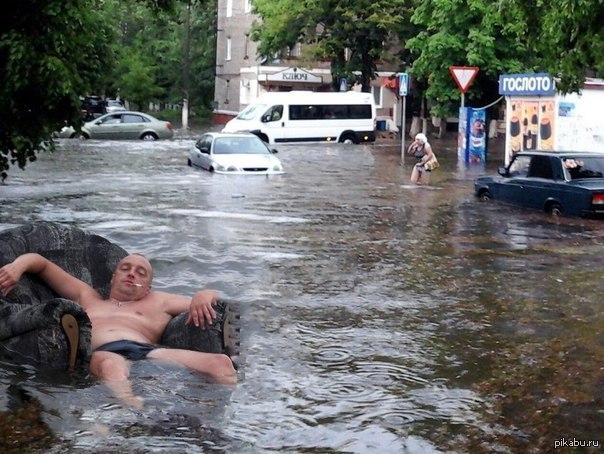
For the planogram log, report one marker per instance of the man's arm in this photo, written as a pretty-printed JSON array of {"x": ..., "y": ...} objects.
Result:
[
  {"x": 200, "y": 307},
  {"x": 63, "y": 283}
]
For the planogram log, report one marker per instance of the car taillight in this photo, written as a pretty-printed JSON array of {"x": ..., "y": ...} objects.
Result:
[
  {"x": 169, "y": 125},
  {"x": 597, "y": 199}
]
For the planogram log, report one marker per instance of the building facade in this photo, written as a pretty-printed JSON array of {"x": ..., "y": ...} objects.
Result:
[{"x": 241, "y": 76}]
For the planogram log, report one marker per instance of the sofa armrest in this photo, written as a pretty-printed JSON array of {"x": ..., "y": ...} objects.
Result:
[
  {"x": 42, "y": 334},
  {"x": 221, "y": 337}
]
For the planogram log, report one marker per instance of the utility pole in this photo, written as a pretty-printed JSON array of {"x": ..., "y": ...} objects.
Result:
[{"x": 186, "y": 76}]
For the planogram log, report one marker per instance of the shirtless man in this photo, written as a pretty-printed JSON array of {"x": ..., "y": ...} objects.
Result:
[{"x": 130, "y": 322}]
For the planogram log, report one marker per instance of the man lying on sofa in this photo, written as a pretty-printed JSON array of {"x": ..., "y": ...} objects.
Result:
[{"x": 128, "y": 325}]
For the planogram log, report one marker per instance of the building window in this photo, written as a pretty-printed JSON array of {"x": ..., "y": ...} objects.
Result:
[
  {"x": 229, "y": 8},
  {"x": 228, "y": 49},
  {"x": 377, "y": 96}
]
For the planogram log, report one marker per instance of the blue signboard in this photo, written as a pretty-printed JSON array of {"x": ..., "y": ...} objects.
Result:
[
  {"x": 526, "y": 84},
  {"x": 403, "y": 84},
  {"x": 343, "y": 84}
]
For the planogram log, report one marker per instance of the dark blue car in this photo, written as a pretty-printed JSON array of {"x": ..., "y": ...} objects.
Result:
[{"x": 559, "y": 183}]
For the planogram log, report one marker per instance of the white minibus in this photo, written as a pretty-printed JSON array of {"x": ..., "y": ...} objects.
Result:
[{"x": 307, "y": 116}]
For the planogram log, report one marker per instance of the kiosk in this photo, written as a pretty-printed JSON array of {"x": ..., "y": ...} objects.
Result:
[{"x": 538, "y": 117}]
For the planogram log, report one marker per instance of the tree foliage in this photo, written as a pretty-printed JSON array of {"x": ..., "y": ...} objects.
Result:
[
  {"x": 465, "y": 33},
  {"x": 354, "y": 35},
  {"x": 161, "y": 54},
  {"x": 561, "y": 37},
  {"x": 50, "y": 52},
  {"x": 570, "y": 39}
]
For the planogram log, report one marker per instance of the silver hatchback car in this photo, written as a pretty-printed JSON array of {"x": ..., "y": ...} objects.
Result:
[{"x": 127, "y": 125}]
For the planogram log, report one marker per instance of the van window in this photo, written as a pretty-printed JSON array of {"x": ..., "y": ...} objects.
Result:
[
  {"x": 327, "y": 112},
  {"x": 251, "y": 111},
  {"x": 360, "y": 111},
  {"x": 273, "y": 114}
]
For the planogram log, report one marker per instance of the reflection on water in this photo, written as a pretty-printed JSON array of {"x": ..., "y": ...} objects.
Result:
[{"x": 375, "y": 315}]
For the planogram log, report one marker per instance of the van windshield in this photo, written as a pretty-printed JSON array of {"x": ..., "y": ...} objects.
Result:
[{"x": 251, "y": 111}]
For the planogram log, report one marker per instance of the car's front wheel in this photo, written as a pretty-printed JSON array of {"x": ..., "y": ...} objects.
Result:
[
  {"x": 148, "y": 136},
  {"x": 555, "y": 209},
  {"x": 485, "y": 196}
]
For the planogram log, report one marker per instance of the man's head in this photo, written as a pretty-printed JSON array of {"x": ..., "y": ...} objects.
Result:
[{"x": 132, "y": 278}]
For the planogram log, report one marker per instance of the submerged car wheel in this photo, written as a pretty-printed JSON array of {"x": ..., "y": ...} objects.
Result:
[
  {"x": 148, "y": 136},
  {"x": 555, "y": 209},
  {"x": 485, "y": 196},
  {"x": 348, "y": 139}
]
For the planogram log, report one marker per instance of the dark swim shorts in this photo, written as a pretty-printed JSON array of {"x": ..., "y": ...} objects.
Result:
[{"x": 128, "y": 349}]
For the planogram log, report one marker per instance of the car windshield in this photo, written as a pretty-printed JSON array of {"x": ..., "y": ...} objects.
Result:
[
  {"x": 239, "y": 145},
  {"x": 250, "y": 112},
  {"x": 584, "y": 167}
]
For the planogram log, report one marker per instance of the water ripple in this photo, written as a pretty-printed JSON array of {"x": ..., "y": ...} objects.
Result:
[
  {"x": 345, "y": 389},
  {"x": 384, "y": 373}
]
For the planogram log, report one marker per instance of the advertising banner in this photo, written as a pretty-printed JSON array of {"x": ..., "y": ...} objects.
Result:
[
  {"x": 531, "y": 125},
  {"x": 472, "y": 136},
  {"x": 478, "y": 136}
]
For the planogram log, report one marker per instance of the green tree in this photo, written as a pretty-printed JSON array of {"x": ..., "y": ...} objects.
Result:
[
  {"x": 202, "y": 57},
  {"x": 138, "y": 83},
  {"x": 568, "y": 36},
  {"x": 50, "y": 52},
  {"x": 562, "y": 37},
  {"x": 353, "y": 35},
  {"x": 163, "y": 53},
  {"x": 465, "y": 33}
]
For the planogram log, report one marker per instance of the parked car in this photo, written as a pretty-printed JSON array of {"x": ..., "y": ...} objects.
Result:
[
  {"x": 559, "y": 183},
  {"x": 66, "y": 132},
  {"x": 127, "y": 125},
  {"x": 92, "y": 107},
  {"x": 234, "y": 153},
  {"x": 113, "y": 105}
]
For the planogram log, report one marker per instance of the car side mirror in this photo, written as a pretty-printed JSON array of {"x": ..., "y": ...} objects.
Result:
[
  {"x": 502, "y": 171},
  {"x": 274, "y": 151},
  {"x": 97, "y": 123}
]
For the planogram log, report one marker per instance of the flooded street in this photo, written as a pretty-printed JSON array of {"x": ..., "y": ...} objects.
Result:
[{"x": 375, "y": 316}]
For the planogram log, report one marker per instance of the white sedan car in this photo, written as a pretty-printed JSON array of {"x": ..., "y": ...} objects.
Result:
[{"x": 236, "y": 153}]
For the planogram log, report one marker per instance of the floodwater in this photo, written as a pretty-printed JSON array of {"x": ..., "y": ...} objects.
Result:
[{"x": 375, "y": 316}]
